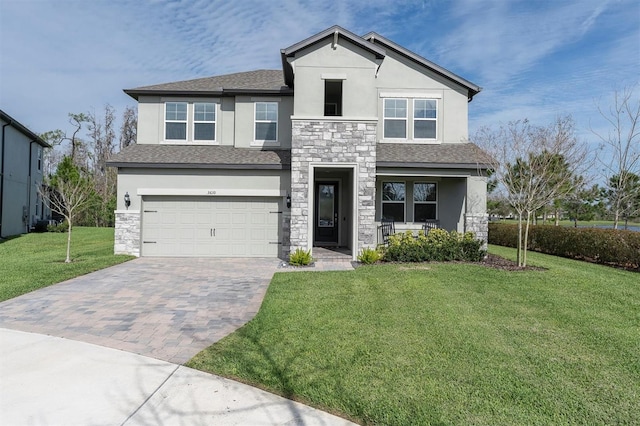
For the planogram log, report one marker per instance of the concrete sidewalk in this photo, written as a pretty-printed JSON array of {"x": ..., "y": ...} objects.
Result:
[{"x": 55, "y": 381}]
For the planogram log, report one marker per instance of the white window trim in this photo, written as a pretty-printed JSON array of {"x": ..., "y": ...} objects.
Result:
[
  {"x": 406, "y": 120},
  {"x": 413, "y": 127},
  {"x": 265, "y": 142},
  {"x": 424, "y": 202},
  {"x": 383, "y": 201},
  {"x": 186, "y": 122},
  {"x": 213, "y": 141}
]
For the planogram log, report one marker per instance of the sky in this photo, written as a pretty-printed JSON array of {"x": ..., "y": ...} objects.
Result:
[{"x": 534, "y": 59}]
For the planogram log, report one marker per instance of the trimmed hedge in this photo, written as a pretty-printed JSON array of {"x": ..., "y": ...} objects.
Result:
[
  {"x": 607, "y": 246},
  {"x": 438, "y": 245}
]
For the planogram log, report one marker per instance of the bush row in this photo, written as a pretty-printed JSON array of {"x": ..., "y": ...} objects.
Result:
[
  {"x": 438, "y": 245},
  {"x": 610, "y": 246}
]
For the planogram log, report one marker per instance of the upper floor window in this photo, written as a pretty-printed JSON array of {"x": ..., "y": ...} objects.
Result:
[
  {"x": 204, "y": 121},
  {"x": 395, "y": 118},
  {"x": 424, "y": 201},
  {"x": 393, "y": 200},
  {"x": 332, "y": 98},
  {"x": 266, "y": 121},
  {"x": 176, "y": 121},
  {"x": 424, "y": 118},
  {"x": 39, "y": 159}
]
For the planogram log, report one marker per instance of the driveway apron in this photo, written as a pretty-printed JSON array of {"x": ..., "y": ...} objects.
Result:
[{"x": 164, "y": 308}]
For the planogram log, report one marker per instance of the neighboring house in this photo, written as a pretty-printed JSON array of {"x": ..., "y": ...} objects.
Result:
[
  {"x": 259, "y": 163},
  {"x": 21, "y": 205}
]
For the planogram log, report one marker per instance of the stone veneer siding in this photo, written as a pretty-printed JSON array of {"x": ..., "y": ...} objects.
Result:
[
  {"x": 331, "y": 143},
  {"x": 127, "y": 233},
  {"x": 479, "y": 225}
]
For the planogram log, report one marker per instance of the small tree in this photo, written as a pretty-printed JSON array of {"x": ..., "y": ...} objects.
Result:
[
  {"x": 620, "y": 148},
  {"x": 532, "y": 166},
  {"x": 68, "y": 193}
]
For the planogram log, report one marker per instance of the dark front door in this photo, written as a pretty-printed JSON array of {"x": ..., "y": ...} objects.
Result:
[{"x": 326, "y": 209}]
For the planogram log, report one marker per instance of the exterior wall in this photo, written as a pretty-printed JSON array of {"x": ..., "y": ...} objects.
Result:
[
  {"x": 234, "y": 120},
  {"x": 351, "y": 64},
  {"x": 476, "y": 217},
  {"x": 245, "y": 121},
  {"x": 127, "y": 233},
  {"x": 21, "y": 206},
  {"x": 331, "y": 143},
  {"x": 401, "y": 76}
]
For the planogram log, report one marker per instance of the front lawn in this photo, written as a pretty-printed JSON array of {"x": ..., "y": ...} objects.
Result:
[
  {"x": 32, "y": 261},
  {"x": 448, "y": 343}
]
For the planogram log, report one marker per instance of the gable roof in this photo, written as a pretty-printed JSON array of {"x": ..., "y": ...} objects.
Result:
[
  {"x": 446, "y": 155},
  {"x": 258, "y": 81},
  {"x": 200, "y": 157},
  {"x": 473, "y": 89},
  {"x": 23, "y": 129},
  {"x": 334, "y": 31}
]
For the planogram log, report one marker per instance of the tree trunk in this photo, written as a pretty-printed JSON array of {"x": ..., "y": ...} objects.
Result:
[
  {"x": 616, "y": 218},
  {"x": 68, "y": 259},
  {"x": 526, "y": 240},
  {"x": 519, "y": 256},
  {"x": 557, "y": 213}
]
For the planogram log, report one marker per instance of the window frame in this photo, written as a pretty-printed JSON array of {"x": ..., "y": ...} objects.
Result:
[
  {"x": 403, "y": 202},
  {"x": 417, "y": 202},
  {"x": 185, "y": 121},
  {"x": 39, "y": 160},
  {"x": 214, "y": 122},
  {"x": 385, "y": 118},
  {"x": 256, "y": 121},
  {"x": 418, "y": 119}
]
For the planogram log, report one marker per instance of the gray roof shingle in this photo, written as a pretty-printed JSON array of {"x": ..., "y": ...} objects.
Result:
[
  {"x": 449, "y": 155},
  {"x": 250, "y": 81},
  {"x": 200, "y": 156},
  {"x": 459, "y": 155}
]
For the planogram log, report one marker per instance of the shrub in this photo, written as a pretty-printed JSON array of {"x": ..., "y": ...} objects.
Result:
[
  {"x": 369, "y": 256},
  {"x": 300, "y": 257},
  {"x": 60, "y": 227},
  {"x": 437, "y": 245},
  {"x": 610, "y": 246}
]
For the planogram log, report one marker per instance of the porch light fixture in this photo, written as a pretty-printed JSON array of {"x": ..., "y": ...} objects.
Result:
[
  {"x": 288, "y": 201},
  {"x": 127, "y": 200}
]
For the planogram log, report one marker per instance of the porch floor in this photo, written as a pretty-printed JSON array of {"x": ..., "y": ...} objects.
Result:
[{"x": 332, "y": 253}]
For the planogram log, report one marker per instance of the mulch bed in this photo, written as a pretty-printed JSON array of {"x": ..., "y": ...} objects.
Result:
[{"x": 497, "y": 262}]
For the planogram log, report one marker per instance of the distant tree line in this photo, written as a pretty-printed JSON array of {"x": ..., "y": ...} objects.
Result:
[{"x": 76, "y": 164}]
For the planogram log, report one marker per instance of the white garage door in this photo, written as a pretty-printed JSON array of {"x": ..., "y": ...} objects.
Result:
[{"x": 210, "y": 226}]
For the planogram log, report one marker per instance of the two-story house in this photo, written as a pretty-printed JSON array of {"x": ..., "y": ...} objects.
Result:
[
  {"x": 21, "y": 162},
  {"x": 351, "y": 129}
]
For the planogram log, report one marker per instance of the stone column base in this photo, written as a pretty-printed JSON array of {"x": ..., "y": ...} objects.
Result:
[
  {"x": 127, "y": 233},
  {"x": 479, "y": 225}
]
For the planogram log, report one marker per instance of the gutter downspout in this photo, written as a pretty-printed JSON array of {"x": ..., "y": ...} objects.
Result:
[
  {"x": 2, "y": 176},
  {"x": 28, "y": 224}
]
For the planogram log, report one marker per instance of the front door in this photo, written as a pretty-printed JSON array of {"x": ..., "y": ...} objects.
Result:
[{"x": 326, "y": 209}]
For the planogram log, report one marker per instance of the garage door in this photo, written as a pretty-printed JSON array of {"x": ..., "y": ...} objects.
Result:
[{"x": 210, "y": 226}]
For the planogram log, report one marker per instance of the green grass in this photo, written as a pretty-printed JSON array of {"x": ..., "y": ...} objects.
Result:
[
  {"x": 447, "y": 344},
  {"x": 32, "y": 261}
]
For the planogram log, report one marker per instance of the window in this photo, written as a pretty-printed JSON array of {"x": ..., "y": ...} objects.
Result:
[
  {"x": 395, "y": 118},
  {"x": 424, "y": 201},
  {"x": 266, "y": 121},
  {"x": 393, "y": 201},
  {"x": 424, "y": 118},
  {"x": 175, "y": 121},
  {"x": 39, "y": 159},
  {"x": 332, "y": 98},
  {"x": 204, "y": 121}
]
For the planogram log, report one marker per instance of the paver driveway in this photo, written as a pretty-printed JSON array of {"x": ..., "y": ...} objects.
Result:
[{"x": 165, "y": 308}]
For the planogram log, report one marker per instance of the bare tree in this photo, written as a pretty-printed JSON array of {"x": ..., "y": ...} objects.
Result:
[
  {"x": 532, "y": 166},
  {"x": 620, "y": 147},
  {"x": 129, "y": 128},
  {"x": 67, "y": 193}
]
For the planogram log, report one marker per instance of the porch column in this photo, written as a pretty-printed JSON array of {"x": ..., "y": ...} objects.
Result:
[{"x": 476, "y": 219}]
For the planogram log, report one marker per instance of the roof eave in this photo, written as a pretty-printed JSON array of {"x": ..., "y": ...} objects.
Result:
[
  {"x": 418, "y": 165},
  {"x": 135, "y": 93},
  {"x": 23, "y": 129},
  {"x": 473, "y": 89},
  {"x": 226, "y": 166}
]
